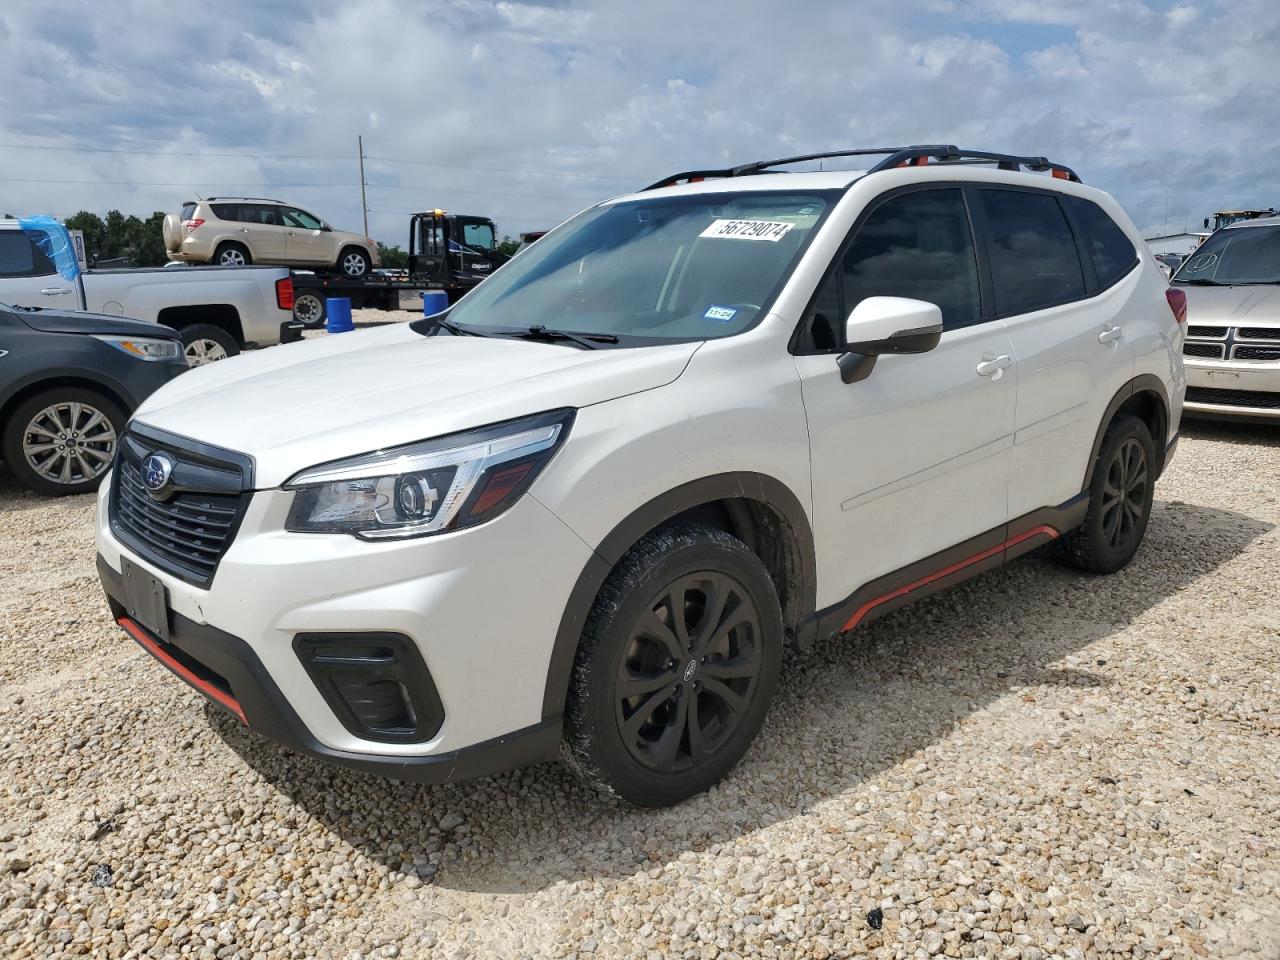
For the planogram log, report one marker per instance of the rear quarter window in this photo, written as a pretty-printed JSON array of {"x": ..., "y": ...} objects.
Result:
[
  {"x": 1034, "y": 260},
  {"x": 1109, "y": 248},
  {"x": 188, "y": 211},
  {"x": 226, "y": 211}
]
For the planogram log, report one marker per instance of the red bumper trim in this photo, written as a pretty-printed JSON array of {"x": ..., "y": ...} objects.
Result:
[
  {"x": 144, "y": 639},
  {"x": 1041, "y": 531}
]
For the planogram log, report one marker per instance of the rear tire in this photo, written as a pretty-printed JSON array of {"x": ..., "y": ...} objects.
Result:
[
  {"x": 309, "y": 309},
  {"x": 354, "y": 262},
  {"x": 204, "y": 343},
  {"x": 232, "y": 255},
  {"x": 702, "y": 679},
  {"x": 1120, "y": 494},
  {"x": 62, "y": 440}
]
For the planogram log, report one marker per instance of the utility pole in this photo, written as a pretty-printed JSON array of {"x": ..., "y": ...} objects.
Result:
[{"x": 364, "y": 204}]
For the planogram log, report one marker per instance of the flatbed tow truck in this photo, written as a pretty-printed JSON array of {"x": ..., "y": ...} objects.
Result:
[{"x": 449, "y": 252}]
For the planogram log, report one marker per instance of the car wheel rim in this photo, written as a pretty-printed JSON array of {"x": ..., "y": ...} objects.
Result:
[
  {"x": 353, "y": 264},
  {"x": 203, "y": 350},
  {"x": 232, "y": 258},
  {"x": 1124, "y": 495},
  {"x": 307, "y": 309},
  {"x": 689, "y": 673},
  {"x": 69, "y": 442}
]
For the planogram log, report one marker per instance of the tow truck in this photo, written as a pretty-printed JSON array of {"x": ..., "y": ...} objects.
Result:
[{"x": 447, "y": 251}]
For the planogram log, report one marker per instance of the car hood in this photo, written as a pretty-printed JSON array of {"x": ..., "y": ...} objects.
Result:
[
  {"x": 1246, "y": 305},
  {"x": 52, "y": 321},
  {"x": 293, "y": 406}
]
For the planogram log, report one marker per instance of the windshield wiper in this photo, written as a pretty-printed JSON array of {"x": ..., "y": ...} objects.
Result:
[
  {"x": 456, "y": 330},
  {"x": 588, "y": 341},
  {"x": 1200, "y": 282}
]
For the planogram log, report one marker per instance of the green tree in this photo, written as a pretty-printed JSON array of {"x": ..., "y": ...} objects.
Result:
[
  {"x": 507, "y": 246},
  {"x": 139, "y": 241},
  {"x": 94, "y": 230},
  {"x": 393, "y": 258}
]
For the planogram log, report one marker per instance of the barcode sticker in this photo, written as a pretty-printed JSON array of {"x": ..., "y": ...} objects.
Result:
[{"x": 771, "y": 230}]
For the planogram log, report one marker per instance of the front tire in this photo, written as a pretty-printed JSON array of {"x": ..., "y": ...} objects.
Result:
[
  {"x": 1120, "y": 494},
  {"x": 61, "y": 441},
  {"x": 354, "y": 262},
  {"x": 677, "y": 664},
  {"x": 204, "y": 343}
]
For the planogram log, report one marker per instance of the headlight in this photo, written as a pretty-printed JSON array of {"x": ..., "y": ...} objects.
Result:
[
  {"x": 144, "y": 348},
  {"x": 429, "y": 487}
]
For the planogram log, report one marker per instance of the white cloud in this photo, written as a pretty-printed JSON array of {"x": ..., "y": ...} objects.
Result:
[{"x": 528, "y": 111}]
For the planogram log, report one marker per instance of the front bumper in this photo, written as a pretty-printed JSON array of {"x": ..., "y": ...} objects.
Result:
[
  {"x": 1233, "y": 388},
  {"x": 481, "y": 606}
]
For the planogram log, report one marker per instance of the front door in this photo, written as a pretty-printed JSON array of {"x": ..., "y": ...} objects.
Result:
[
  {"x": 306, "y": 238},
  {"x": 915, "y": 458}
]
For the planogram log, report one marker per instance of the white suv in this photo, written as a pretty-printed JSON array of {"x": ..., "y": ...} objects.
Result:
[{"x": 584, "y": 512}]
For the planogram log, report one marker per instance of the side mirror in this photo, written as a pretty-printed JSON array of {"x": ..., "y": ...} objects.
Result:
[{"x": 880, "y": 325}]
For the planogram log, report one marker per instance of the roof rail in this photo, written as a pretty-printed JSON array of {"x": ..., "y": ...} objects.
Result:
[
  {"x": 258, "y": 199},
  {"x": 915, "y": 156}
]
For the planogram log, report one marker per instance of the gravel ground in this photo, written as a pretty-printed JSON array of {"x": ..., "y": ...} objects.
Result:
[{"x": 1035, "y": 764}]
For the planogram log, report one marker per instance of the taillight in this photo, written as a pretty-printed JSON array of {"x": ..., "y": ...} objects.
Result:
[
  {"x": 1177, "y": 303},
  {"x": 284, "y": 293},
  {"x": 192, "y": 224}
]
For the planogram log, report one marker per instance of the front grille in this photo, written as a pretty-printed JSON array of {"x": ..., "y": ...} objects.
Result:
[
  {"x": 187, "y": 529},
  {"x": 1256, "y": 353},
  {"x": 1210, "y": 350},
  {"x": 1233, "y": 398},
  {"x": 1211, "y": 333},
  {"x": 1258, "y": 333}
]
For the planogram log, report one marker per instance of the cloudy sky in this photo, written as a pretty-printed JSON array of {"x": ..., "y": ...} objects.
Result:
[{"x": 528, "y": 112}]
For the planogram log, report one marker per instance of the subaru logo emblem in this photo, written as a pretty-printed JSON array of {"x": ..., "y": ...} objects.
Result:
[{"x": 156, "y": 470}]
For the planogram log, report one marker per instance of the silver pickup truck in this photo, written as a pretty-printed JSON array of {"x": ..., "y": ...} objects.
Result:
[{"x": 216, "y": 310}]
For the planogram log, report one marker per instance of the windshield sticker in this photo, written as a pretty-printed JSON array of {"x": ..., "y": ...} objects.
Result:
[
  {"x": 771, "y": 230},
  {"x": 719, "y": 314}
]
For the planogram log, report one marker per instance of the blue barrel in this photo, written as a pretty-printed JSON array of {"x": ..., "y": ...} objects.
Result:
[
  {"x": 338, "y": 315},
  {"x": 433, "y": 302}
]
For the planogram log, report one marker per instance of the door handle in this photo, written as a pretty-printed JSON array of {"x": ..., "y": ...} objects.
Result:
[
  {"x": 1108, "y": 335},
  {"x": 290, "y": 234},
  {"x": 55, "y": 291},
  {"x": 994, "y": 367}
]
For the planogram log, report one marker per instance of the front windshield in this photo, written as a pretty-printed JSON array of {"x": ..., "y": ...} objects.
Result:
[
  {"x": 661, "y": 268},
  {"x": 1238, "y": 255}
]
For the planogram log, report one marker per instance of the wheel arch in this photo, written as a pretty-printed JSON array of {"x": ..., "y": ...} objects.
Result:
[
  {"x": 363, "y": 251},
  {"x": 224, "y": 316},
  {"x": 30, "y": 388},
  {"x": 758, "y": 509},
  {"x": 1146, "y": 398}
]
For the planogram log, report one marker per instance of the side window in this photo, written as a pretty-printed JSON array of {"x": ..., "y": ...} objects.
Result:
[
  {"x": 1034, "y": 260},
  {"x": 916, "y": 245},
  {"x": 226, "y": 211},
  {"x": 20, "y": 257},
  {"x": 293, "y": 217},
  {"x": 261, "y": 213},
  {"x": 1110, "y": 250}
]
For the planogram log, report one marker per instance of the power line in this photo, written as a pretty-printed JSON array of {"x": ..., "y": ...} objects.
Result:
[{"x": 535, "y": 173}]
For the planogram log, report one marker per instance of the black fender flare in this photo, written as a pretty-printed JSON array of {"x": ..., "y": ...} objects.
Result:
[
  {"x": 1144, "y": 383},
  {"x": 731, "y": 487}
]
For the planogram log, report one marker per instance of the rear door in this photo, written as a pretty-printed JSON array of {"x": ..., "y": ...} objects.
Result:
[
  {"x": 1068, "y": 335},
  {"x": 28, "y": 277},
  {"x": 306, "y": 239},
  {"x": 915, "y": 458},
  {"x": 257, "y": 226}
]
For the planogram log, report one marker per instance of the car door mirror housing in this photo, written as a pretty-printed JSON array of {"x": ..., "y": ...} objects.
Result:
[{"x": 880, "y": 325}]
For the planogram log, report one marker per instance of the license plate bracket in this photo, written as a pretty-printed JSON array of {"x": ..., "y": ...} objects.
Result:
[{"x": 145, "y": 599}]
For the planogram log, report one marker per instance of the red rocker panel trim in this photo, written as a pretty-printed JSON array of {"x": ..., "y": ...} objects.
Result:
[{"x": 1044, "y": 530}]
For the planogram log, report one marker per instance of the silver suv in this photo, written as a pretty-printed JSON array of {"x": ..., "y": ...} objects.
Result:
[
  {"x": 1232, "y": 350},
  {"x": 235, "y": 231}
]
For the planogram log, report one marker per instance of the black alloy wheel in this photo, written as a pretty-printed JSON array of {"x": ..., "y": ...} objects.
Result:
[
  {"x": 689, "y": 671},
  {"x": 676, "y": 666}
]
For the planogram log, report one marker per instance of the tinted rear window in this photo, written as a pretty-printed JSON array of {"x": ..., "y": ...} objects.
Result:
[
  {"x": 19, "y": 257},
  {"x": 225, "y": 211},
  {"x": 188, "y": 210},
  {"x": 1110, "y": 250},
  {"x": 1034, "y": 261}
]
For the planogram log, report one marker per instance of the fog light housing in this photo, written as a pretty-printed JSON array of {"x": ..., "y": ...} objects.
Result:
[{"x": 376, "y": 683}]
